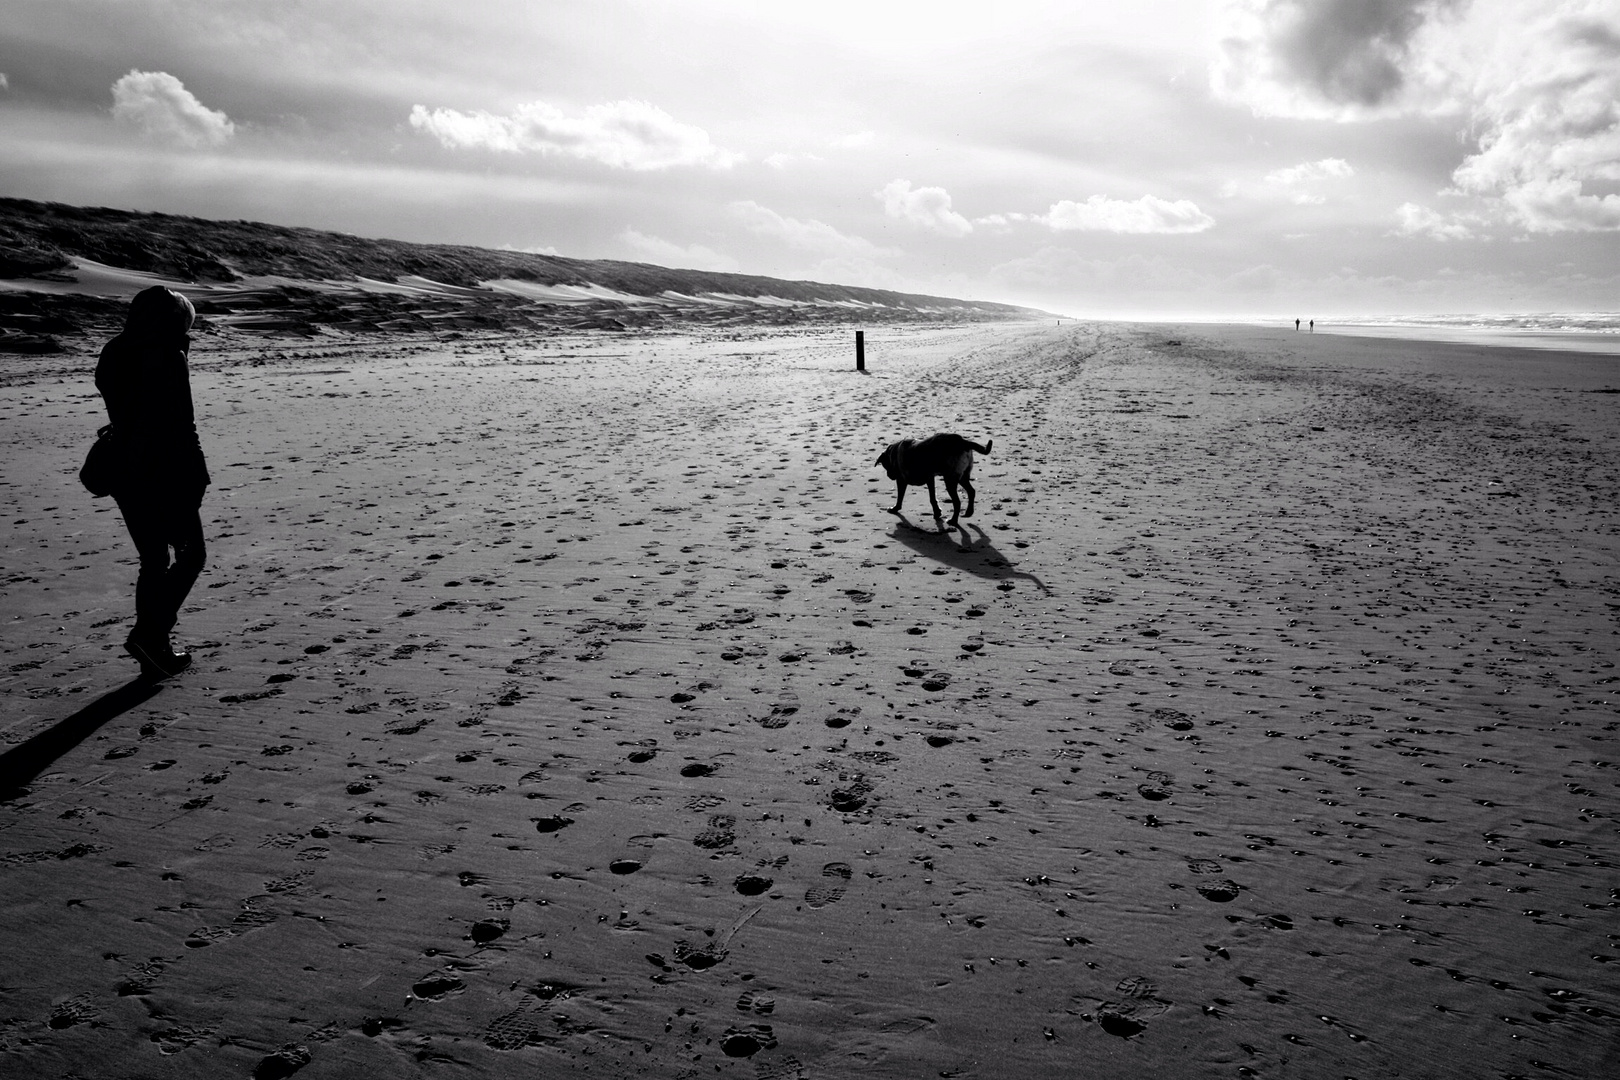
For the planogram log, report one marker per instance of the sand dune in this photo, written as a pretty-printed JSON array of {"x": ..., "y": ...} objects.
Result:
[{"x": 569, "y": 705}]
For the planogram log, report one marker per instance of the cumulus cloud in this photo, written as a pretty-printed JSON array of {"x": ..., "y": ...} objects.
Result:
[
  {"x": 814, "y": 236},
  {"x": 1322, "y": 58},
  {"x": 1298, "y": 182},
  {"x": 160, "y": 105},
  {"x": 655, "y": 249},
  {"x": 620, "y": 134},
  {"x": 1149, "y": 214},
  {"x": 1302, "y": 184},
  {"x": 1415, "y": 220},
  {"x": 1533, "y": 82},
  {"x": 929, "y": 208}
]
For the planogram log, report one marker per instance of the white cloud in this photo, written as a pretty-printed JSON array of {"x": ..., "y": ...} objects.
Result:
[
  {"x": 657, "y": 250},
  {"x": 160, "y": 104},
  {"x": 1533, "y": 83},
  {"x": 1149, "y": 214},
  {"x": 815, "y": 236},
  {"x": 620, "y": 134},
  {"x": 854, "y": 141},
  {"x": 5, "y": 83},
  {"x": 531, "y": 249},
  {"x": 1415, "y": 220},
  {"x": 1298, "y": 182},
  {"x": 928, "y": 207}
]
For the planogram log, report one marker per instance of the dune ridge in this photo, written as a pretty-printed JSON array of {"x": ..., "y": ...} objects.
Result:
[{"x": 60, "y": 264}]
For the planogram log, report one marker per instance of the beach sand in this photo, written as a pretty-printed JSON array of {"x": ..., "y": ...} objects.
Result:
[{"x": 571, "y": 706}]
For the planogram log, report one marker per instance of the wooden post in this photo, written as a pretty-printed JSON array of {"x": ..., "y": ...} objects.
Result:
[{"x": 860, "y": 350}]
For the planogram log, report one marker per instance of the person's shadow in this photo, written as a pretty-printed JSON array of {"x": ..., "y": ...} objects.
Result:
[
  {"x": 974, "y": 555},
  {"x": 23, "y": 763}
]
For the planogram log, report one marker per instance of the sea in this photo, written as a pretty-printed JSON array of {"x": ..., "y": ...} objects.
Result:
[{"x": 1593, "y": 332}]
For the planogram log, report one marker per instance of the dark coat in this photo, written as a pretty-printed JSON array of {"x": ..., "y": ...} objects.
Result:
[{"x": 144, "y": 379}]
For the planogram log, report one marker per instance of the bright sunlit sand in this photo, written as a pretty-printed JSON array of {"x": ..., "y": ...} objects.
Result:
[{"x": 573, "y": 705}]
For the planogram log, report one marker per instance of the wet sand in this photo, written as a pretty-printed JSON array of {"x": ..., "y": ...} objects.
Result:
[{"x": 571, "y": 706}]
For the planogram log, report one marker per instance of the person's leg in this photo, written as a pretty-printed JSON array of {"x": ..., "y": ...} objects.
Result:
[
  {"x": 183, "y": 531},
  {"x": 144, "y": 520}
]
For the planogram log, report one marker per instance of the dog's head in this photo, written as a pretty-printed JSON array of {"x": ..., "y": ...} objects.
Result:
[{"x": 890, "y": 458}]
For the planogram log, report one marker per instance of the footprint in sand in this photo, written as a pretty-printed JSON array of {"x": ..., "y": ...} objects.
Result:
[
  {"x": 1158, "y": 787},
  {"x": 843, "y": 717},
  {"x": 778, "y": 718},
  {"x": 719, "y": 834},
  {"x": 756, "y": 1002},
  {"x": 1221, "y": 891},
  {"x": 635, "y": 858},
  {"x": 748, "y": 1041},
  {"x": 436, "y": 986},
  {"x": 73, "y": 1011},
  {"x": 485, "y": 931},
  {"x": 512, "y": 1031},
  {"x": 283, "y": 1063},
  {"x": 819, "y": 896}
]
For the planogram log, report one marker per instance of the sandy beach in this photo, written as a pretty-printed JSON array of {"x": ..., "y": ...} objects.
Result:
[{"x": 570, "y": 705}]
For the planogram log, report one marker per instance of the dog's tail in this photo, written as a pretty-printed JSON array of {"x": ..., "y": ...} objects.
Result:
[{"x": 985, "y": 449}]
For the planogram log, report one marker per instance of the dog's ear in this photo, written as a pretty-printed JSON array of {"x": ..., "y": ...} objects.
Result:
[{"x": 882, "y": 457}]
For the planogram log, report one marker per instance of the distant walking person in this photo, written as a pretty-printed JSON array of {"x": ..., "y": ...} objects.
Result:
[
  {"x": 1313, "y": 326},
  {"x": 143, "y": 378},
  {"x": 1296, "y": 326}
]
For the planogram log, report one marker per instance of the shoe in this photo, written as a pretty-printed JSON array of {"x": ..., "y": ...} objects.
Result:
[{"x": 157, "y": 659}]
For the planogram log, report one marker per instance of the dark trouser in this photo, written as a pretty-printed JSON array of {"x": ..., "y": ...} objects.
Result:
[{"x": 157, "y": 523}]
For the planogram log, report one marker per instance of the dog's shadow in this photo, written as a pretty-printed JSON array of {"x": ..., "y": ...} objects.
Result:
[{"x": 975, "y": 555}]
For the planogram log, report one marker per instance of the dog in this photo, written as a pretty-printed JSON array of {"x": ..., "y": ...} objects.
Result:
[{"x": 915, "y": 463}]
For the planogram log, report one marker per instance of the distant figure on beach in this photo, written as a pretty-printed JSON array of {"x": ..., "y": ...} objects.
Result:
[
  {"x": 1313, "y": 326},
  {"x": 144, "y": 379},
  {"x": 1296, "y": 326}
]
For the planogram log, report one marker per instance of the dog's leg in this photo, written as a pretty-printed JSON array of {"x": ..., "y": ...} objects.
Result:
[
  {"x": 899, "y": 496},
  {"x": 967, "y": 485},
  {"x": 956, "y": 501},
  {"x": 934, "y": 500}
]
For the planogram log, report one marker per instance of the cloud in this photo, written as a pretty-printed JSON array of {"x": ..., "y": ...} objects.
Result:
[
  {"x": 929, "y": 208},
  {"x": 1149, "y": 214},
  {"x": 1547, "y": 119},
  {"x": 620, "y": 134},
  {"x": 531, "y": 249},
  {"x": 1532, "y": 82},
  {"x": 1296, "y": 181},
  {"x": 1299, "y": 184},
  {"x": 657, "y": 250},
  {"x": 5, "y": 83},
  {"x": 1415, "y": 220},
  {"x": 814, "y": 236},
  {"x": 854, "y": 141},
  {"x": 160, "y": 104},
  {"x": 1321, "y": 58}
]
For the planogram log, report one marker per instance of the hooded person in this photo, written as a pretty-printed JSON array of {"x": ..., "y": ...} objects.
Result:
[{"x": 144, "y": 379}]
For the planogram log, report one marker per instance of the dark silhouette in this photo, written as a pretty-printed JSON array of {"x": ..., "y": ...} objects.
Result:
[
  {"x": 1296, "y": 326},
  {"x": 25, "y": 761},
  {"x": 1313, "y": 326},
  {"x": 143, "y": 377},
  {"x": 976, "y": 556}
]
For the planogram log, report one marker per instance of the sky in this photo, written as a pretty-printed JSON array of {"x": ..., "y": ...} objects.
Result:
[{"x": 1150, "y": 159}]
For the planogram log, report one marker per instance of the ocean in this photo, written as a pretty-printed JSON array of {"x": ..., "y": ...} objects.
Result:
[{"x": 1593, "y": 332}]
